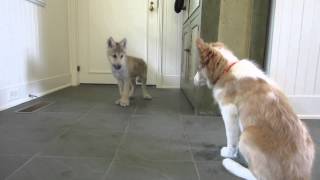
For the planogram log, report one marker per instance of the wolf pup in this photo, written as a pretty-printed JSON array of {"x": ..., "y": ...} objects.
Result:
[
  {"x": 126, "y": 70},
  {"x": 258, "y": 118}
]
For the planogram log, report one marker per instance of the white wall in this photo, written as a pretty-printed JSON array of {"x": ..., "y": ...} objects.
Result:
[
  {"x": 171, "y": 46},
  {"x": 33, "y": 49},
  {"x": 295, "y": 53}
]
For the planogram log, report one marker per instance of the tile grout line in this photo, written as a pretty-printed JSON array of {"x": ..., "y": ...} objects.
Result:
[
  {"x": 76, "y": 122},
  {"x": 22, "y": 166},
  {"x": 190, "y": 149},
  {"x": 70, "y": 157},
  {"x": 118, "y": 148}
]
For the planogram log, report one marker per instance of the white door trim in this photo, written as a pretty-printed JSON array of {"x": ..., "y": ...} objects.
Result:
[
  {"x": 154, "y": 41},
  {"x": 73, "y": 40}
]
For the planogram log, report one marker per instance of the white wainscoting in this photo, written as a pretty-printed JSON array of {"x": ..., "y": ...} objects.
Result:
[
  {"x": 36, "y": 88},
  {"x": 294, "y": 57},
  {"x": 34, "y": 57}
]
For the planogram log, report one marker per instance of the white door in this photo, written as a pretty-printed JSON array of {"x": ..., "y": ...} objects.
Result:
[{"x": 100, "y": 19}]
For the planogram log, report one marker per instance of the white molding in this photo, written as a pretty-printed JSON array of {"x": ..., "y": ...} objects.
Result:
[
  {"x": 36, "y": 81},
  {"x": 161, "y": 13},
  {"x": 38, "y": 88},
  {"x": 306, "y": 106},
  {"x": 21, "y": 101},
  {"x": 42, "y": 3},
  {"x": 154, "y": 39},
  {"x": 317, "y": 117},
  {"x": 170, "y": 81},
  {"x": 99, "y": 72},
  {"x": 73, "y": 40}
]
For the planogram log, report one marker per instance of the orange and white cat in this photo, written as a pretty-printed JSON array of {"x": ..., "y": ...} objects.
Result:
[{"x": 258, "y": 119}]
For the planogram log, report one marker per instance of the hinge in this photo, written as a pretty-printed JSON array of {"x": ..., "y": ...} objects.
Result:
[{"x": 78, "y": 68}]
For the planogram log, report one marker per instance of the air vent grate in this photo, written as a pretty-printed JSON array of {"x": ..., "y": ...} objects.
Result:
[{"x": 34, "y": 107}]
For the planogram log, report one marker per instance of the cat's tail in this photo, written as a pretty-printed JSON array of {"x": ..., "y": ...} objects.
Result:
[{"x": 237, "y": 169}]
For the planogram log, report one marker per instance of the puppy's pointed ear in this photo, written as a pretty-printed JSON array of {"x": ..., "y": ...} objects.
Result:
[
  {"x": 123, "y": 43},
  {"x": 111, "y": 43}
]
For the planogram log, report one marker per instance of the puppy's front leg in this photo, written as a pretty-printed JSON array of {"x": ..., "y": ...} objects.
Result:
[
  {"x": 124, "y": 101},
  {"x": 120, "y": 87},
  {"x": 132, "y": 87},
  {"x": 230, "y": 118}
]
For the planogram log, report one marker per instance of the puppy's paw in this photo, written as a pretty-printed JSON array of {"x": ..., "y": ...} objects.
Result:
[
  {"x": 124, "y": 102},
  {"x": 229, "y": 152},
  {"x": 147, "y": 96}
]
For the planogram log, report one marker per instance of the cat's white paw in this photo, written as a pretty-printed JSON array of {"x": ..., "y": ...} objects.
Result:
[
  {"x": 229, "y": 152},
  {"x": 147, "y": 96}
]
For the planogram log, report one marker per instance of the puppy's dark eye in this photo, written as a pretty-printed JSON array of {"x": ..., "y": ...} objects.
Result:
[
  {"x": 121, "y": 56},
  {"x": 115, "y": 56}
]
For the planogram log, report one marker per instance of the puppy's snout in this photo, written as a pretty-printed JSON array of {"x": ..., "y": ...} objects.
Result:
[{"x": 117, "y": 66}]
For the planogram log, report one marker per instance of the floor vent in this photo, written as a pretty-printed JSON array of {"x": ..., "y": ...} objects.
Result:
[{"x": 34, "y": 107}]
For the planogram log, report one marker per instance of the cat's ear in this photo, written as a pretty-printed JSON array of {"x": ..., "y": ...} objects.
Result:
[
  {"x": 201, "y": 44},
  {"x": 204, "y": 50},
  {"x": 123, "y": 43},
  {"x": 111, "y": 43}
]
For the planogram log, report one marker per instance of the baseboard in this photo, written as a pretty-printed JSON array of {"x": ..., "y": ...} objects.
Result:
[
  {"x": 37, "y": 88},
  {"x": 307, "y": 107},
  {"x": 170, "y": 81},
  {"x": 316, "y": 117}
]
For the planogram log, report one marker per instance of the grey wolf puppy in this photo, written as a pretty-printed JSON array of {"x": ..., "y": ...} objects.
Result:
[{"x": 126, "y": 70}]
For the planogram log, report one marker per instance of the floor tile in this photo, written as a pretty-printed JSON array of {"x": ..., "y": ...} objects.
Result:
[
  {"x": 111, "y": 107},
  {"x": 164, "y": 102},
  {"x": 214, "y": 171},
  {"x": 139, "y": 170},
  {"x": 157, "y": 148},
  {"x": 85, "y": 142},
  {"x": 158, "y": 138},
  {"x": 69, "y": 105},
  {"x": 38, "y": 120},
  {"x": 8, "y": 164},
  {"x": 62, "y": 169},
  {"x": 206, "y": 136},
  {"x": 114, "y": 122},
  {"x": 96, "y": 93},
  {"x": 312, "y": 122},
  {"x": 161, "y": 124},
  {"x": 316, "y": 164},
  {"x": 26, "y": 141},
  {"x": 314, "y": 129}
]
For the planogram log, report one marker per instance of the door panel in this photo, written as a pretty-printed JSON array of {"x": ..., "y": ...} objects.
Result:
[
  {"x": 194, "y": 4},
  {"x": 100, "y": 19}
]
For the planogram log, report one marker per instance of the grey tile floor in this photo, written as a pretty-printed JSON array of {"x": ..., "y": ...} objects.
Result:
[{"x": 82, "y": 135}]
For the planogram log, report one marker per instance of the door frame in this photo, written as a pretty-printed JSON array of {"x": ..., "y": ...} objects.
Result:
[{"x": 154, "y": 40}]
